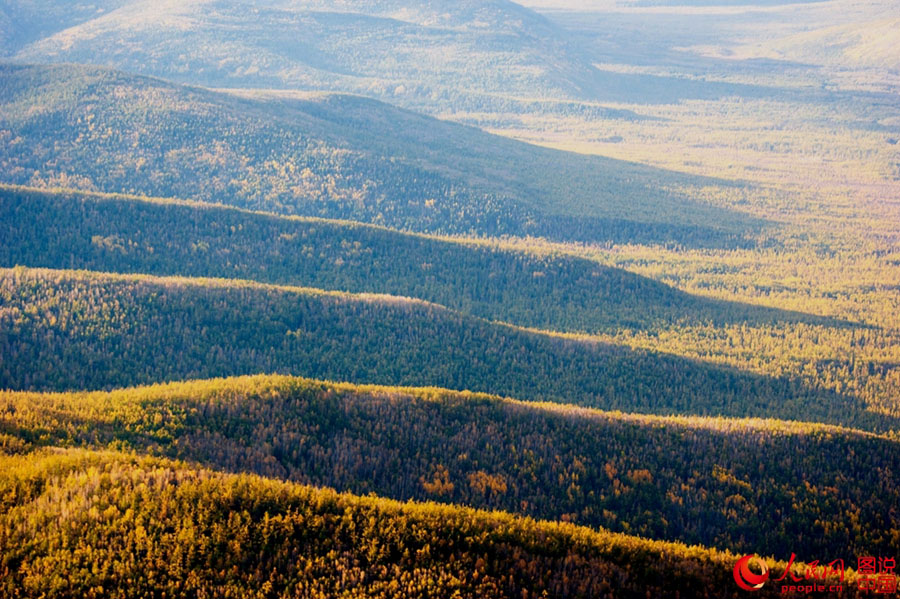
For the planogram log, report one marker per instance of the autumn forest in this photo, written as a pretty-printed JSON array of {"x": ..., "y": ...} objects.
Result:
[{"x": 449, "y": 299}]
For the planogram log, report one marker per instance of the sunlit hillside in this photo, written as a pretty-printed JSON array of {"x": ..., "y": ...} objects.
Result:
[
  {"x": 694, "y": 480},
  {"x": 199, "y": 532},
  {"x": 449, "y": 299}
]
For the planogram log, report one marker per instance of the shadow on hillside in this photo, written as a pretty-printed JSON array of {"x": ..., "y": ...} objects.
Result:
[
  {"x": 555, "y": 292},
  {"x": 675, "y": 385},
  {"x": 633, "y": 88},
  {"x": 564, "y": 196},
  {"x": 183, "y": 329}
]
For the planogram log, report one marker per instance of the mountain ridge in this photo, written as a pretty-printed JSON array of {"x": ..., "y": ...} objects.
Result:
[
  {"x": 263, "y": 156},
  {"x": 543, "y": 460},
  {"x": 543, "y": 288},
  {"x": 231, "y": 535},
  {"x": 118, "y": 321}
]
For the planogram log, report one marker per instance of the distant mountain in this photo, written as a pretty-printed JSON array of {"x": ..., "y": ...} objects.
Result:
[
  {"x": 440, "y": 57},
  {"x": 333, "y": 156},
  {"x": 383, "y": 48},
  {"x": 866, "y": 44},
  {"x": 718, "y": 3},
  {"x": 23, "y": 22}
]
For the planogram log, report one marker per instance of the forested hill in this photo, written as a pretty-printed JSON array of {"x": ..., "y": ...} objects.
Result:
[
  {"x": 409, "y": 50},
  {"x": 77, "y": 330},
  {"x": 532, "y": 289},
  {"x": 73, "y": 523},
  {"x": 726, "y": 483},
  {"x": 338, "y": 157}
]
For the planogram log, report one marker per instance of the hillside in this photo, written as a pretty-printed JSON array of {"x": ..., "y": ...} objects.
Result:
[
  {"x": 723, "y": 483},
  {"x": 394, "y": 48},
  {"x": 866, "y": 44},
  {"x": 441, "y": 57},
  {"x": 449, "y": 299},
  {"x": 73, "y": 523},
  {"x": 336, "y": 157},
  {"x": 80, "y": 330},
  {"x": 23, "y": 22},
  {"x": 536, "y": 289}
]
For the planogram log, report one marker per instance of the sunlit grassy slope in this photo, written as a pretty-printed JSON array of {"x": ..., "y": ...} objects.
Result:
[{"x": 745, "y": 485}]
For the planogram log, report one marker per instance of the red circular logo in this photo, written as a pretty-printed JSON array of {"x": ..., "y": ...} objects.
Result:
[{"x": 746, "y": 579}]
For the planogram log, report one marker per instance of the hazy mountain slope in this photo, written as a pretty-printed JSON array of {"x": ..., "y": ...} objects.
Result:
[
  {"x": 335, "y": 157},
  {"x": 25, "y": 21},
  {"x": 92, "y": 525},
  {"x": 868, "y": 44},
  {"x": 437, "y": 56},
  {"x": 388, "y": 48},
  {"x": 662, "y": 478},
  {"x": 69, "y": 330},
  {"x": 719, "y": 3},
  {"x": 126, "y": 234}
]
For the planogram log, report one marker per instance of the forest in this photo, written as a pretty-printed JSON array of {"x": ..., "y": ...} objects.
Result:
[
  {"x": 109, "y": 131},
  {"x": 101, "y": 524},
  {"x": 67, "y": 330},
  {"x": 726, "y": 483},
  {"x": 532, "y": 299},
  {"x": 537, "y": 287}
]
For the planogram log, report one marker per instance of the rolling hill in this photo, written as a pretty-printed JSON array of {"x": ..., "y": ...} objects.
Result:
[
  {"x": 336, "y": 157},
  {"x": 275, "y": 322},
  {"x": 393, "y": 48},
  {"x": 868, "y": 44},
  {"x": 81, "y": 330},
  {"x": 538, "y": 289},
  {"x": 439, "y": 57},
  {"x": 23, "y": 22},
  {"x": 723, "y": 483},
  {"x": 74, "y": 523}
]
